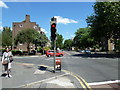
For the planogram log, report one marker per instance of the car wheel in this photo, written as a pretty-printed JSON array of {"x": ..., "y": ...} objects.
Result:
[
  {"x": 61, "y": 55},
  {"x": 49, "y": 55}
]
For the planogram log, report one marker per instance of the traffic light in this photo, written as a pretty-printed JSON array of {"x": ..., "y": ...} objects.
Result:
[{"x": 53, "y": 31}]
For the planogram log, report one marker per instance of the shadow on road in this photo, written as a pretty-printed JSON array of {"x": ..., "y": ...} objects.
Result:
[
  {"x": 43, "y": 68},
  {"x": 3, "y": 75},
  {"x": 96, "y": 55}
]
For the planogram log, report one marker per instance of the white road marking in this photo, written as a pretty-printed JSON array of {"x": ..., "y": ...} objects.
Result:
[
  {"x": 25, "y": 56},
  {"x": 42, "y": 81},
  {"x": 62, "y": 82},
  {"x": 105, "y": 82},
  {"x": 103, "y": 58},
  {"x": 67, "y": 53},
  {"x": 49, "y": 59},
  {"x": 24, "y": 63},
  {"x": 28, "y": 56},
  {"x": 39, "y": 72}
]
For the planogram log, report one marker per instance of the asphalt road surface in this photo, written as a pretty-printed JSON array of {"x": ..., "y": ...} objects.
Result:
[{"x": 91, "y": 69}]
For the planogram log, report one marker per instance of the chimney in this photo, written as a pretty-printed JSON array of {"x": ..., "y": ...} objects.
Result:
[{"x": 27, "y": 18}]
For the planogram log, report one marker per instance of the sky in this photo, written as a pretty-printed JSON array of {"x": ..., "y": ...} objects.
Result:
[{"x": 70, "y": 15}]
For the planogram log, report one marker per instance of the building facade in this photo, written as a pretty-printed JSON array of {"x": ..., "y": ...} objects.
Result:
[{"x": 18, "y": 26}]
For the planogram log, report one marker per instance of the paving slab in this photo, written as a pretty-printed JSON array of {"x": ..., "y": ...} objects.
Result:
[{"x": 32, "y": 76}]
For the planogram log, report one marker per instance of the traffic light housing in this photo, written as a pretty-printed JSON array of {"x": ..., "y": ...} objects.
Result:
[{"x": 53, "y": 31}]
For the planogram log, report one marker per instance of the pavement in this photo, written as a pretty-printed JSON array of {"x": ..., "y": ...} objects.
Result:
[{"x": 27, "y": 75}]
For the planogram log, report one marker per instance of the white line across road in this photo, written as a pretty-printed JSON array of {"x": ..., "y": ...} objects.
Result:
[
  {"x": 82, "y": 58},
  {"x": 67, "y": 53},
  {"x": 105, "y": 82},
  {"x": 27, "y": 56}
]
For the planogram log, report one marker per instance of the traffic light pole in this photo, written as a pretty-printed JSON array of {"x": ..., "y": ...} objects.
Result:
[
  {"x": 53, "y": 38},
  {"x": 54, "y": 55}
]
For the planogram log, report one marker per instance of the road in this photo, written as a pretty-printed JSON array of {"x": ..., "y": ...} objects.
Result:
[{"x": 92, "y": 70}]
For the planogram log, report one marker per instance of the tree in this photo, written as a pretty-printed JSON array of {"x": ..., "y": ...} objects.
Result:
[
  {"x": 26, "y": 36},
  {"x": 59, "y": 41},
  {"x": 83, "y": 39},
  {"x": 105, "y": 21},
  {"x": 6, "y": 37},
  {"x": 68, "y": 44},
  {"x": 40, "y": 40},
  {"x": 0, "y": 38}
]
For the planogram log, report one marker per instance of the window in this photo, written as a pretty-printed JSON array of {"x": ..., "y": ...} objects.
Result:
[
  {"x": 21, "y": 25},
  {"x": 20, "y": 44},
  {"x": 51, "y": 51},
  {"x": 14, "y": 25},
  {"x": 35, "y": 27}
]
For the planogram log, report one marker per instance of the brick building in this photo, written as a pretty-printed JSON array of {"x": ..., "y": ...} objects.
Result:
[{"x": 18, "y": 26}]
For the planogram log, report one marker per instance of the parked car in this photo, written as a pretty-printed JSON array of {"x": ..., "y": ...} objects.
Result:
[
  {"x": 82, "y": 51},
  {"x": 50, "y": 53},
  {"x": 85, "y": 51}
]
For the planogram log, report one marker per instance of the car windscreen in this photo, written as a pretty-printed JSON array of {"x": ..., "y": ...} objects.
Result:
[{"x": 51, "y": 51}]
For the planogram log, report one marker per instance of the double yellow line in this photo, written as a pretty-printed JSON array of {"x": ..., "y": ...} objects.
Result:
[{"x": 82, "y": 82}]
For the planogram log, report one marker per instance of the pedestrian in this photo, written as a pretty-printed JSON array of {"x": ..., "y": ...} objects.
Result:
[{"x": 6, "y": 62}]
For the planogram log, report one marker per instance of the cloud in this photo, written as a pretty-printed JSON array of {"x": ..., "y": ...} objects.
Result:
[
  {"x": 11, "y": 28},
  {"x": 43, "y": 30},
  {"x": 1, "y": 28},
  {"x": 2, "y": 4},
  {"x": 64, "y": 20},
  {"x": 72, "y": 35}
]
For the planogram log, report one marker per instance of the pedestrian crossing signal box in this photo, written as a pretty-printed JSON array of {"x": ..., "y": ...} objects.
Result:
[{"x": 58, "y": 64}]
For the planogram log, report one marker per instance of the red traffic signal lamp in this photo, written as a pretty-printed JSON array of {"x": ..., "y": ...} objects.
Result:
[
  {"x": 53, "y": 31},
  {"x": 53, "y": 25}
]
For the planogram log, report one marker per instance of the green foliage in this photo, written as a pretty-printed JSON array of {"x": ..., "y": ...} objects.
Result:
[
  {"x": 83, "y": 39},
  {"x": 31, "y": 36},
  {"x": 2, "y": 50},
  {"x": 118, "y": 45},
  {"x": 0, "y": 38},
  {"x": 59, "y": 41},
  {"x": 39, "y": 49},
  {"x": 68, "y": 44},
  {"x": 6, "y": 37},
  {"x": 46, "y": 48},
  {"x": 26, "y": 36},
  {"x": 41, "y": 40},
  {"x": 105, "y": 22},
  {"x": 16, "y": 52}
]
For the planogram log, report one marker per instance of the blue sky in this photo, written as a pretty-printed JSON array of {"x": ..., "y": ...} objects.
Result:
[{"x": 70, "y": 15}]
